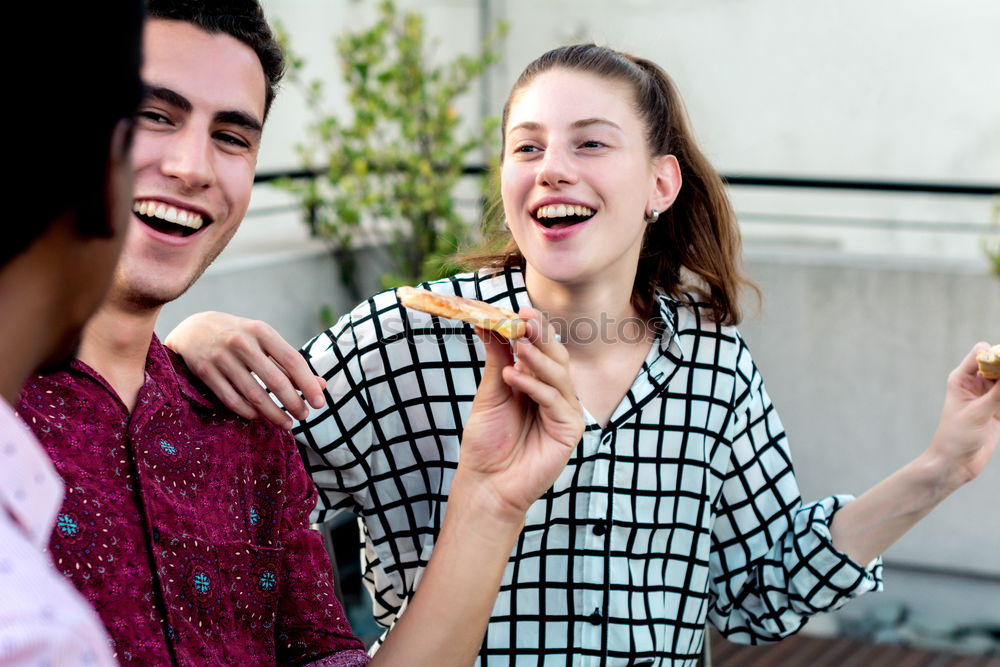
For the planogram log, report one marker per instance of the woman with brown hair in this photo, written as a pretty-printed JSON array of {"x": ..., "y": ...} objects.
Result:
[{"x": 679, "y": 505}]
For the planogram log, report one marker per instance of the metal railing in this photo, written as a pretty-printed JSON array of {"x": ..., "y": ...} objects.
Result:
[{"x": 956, "y": 189}]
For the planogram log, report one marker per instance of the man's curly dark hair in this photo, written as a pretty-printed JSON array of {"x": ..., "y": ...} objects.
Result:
[{"x": 242, "y": 19}]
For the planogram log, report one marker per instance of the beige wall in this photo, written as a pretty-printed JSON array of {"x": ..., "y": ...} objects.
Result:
[{"x": 855, "y": 354}]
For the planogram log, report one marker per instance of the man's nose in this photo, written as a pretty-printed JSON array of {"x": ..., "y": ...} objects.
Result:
[{"x": 189, "y": 158}]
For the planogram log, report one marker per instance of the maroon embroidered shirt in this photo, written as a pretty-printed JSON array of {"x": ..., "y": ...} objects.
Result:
[{"x": 185, "y": 525}]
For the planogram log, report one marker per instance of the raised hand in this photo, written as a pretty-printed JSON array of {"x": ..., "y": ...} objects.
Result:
[
  {"x": 966, "y": 438},
  {"x": 525, "y": 419},
  {"x": 969, "y": 429},
  {"x": 223, "y": 350}
]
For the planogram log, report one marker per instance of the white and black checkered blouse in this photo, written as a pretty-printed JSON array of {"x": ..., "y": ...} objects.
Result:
[{"x": 683, "y": 509}]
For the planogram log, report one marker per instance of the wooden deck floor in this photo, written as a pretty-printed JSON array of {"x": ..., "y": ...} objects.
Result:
[{"x": 806, "y": 651}]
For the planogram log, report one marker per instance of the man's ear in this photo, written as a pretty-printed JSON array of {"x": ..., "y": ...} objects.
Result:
[
  {"x": 118, "y": 180},
  {"x": 666, "y": 184}
]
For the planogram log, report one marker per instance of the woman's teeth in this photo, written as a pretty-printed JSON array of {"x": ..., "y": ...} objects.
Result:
[
  {"x": 563, "y": 211},
  {"x": 170, "y": 214}
]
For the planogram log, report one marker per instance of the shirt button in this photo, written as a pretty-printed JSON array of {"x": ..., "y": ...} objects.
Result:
[
  {"x": 600, "y": 529},
  {"x": 596, "y": 618}
]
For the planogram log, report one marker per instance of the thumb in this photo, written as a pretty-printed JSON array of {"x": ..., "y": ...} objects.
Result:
[{"x": 499, "y": 355}]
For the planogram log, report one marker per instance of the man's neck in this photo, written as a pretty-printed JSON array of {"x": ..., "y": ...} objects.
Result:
[{"x": 116, "y": 344}]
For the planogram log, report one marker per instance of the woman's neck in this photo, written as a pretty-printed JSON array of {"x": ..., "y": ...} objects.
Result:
[{"x": 593, "y": 319}]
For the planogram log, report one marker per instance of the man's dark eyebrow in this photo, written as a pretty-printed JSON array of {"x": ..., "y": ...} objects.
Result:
[
  {"x": 171, "y": 97},
  {"x": 175, "y": 99},
  {"x": 240, "y": 118}
]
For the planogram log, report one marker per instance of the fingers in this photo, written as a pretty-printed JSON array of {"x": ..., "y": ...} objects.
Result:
[
  {"x": 968, "y": 365},
  {"x": 561, "y": 415},
  {"x": 245, "y": 384},
  {"x": 498, "y": 348},
  {"x": 285, "y": 372},
  {"x": 492, "y": 390},
  {"x": 542, "y": 355},
  {"x": 542, "y": 334},
  {"x": 225, "y": 392},
  {"x": 227, "y": 352},
  {"x": 545, "y": 395},
  {"x": 986, "y": 393}
]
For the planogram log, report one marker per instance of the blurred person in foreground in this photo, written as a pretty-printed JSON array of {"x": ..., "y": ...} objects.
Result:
[{"x": 75, "y": 92}]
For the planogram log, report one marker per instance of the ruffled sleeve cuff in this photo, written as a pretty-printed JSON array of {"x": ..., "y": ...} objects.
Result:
[{"x": 822, "y": 577}]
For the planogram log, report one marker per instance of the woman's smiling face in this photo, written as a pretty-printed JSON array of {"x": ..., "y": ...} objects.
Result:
[{"x": 577, "y": 177}]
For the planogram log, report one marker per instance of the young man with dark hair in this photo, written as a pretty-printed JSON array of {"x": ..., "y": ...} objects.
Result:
[
  {"x": 79, "y": 90},
  {"x": 185, "y": 525}
]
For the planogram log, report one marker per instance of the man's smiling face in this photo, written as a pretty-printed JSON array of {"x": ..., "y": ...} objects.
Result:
[{"x": 195, "y": 152}]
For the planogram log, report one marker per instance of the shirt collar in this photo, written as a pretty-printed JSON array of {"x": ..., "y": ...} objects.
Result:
[
  {"x": 165, "y": 373},
  {"x": 669, "y": 314},
  {"x": 168, "y": 369},
  {"x": 30, "y": 489}
]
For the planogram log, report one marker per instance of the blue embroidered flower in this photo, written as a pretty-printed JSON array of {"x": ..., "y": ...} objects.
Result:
[
  {"x": 67, "y": 525},
  {"x": 267, "y": 580},
  {"x": 254, "y": 516},
  {"x": 167, "y": 447},
  {"x": 202, "y": 583}
]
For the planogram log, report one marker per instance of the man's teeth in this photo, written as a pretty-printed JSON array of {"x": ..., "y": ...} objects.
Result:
[
  {"x": 562, "y": 211},
  {"x": 169, "y": 213}
]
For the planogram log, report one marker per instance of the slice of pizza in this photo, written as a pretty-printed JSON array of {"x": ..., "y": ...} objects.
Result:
[
  {"x": 989, "y": 363},
  {"x": 503, "y": 321}
]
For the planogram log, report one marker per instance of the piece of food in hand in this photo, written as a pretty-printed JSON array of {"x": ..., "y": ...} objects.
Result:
[
  {"x": 505, "y": 322},
  {"x": 989, "y": 363}
]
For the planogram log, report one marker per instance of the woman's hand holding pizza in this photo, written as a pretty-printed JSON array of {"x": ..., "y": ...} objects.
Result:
[{"x": 525, "y": 420}]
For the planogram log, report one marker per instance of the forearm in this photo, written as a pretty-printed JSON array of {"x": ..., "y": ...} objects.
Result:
[
  {"x": 876, "y": 519},
  {"x": 444, "y": 622}
]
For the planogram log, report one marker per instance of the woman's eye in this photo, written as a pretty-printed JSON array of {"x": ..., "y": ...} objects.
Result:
[
  {"x": 592, "y": 143},
  {"x": 526, "y": 149}
]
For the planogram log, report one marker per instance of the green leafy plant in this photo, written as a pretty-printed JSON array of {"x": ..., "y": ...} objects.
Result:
[{"x": 388, "y": 173}]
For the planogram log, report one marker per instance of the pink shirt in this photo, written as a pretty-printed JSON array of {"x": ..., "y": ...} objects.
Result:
[
  {"x": 43, "y": 621},
  {"x": 185, "y": 525}
]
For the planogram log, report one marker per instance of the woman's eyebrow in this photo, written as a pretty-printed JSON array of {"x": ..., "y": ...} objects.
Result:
[
  {"x": 583, "y": 122},
  {"x": 587, "y": 122}
]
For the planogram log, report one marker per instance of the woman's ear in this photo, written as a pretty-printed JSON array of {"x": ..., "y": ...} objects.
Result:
[{"x": 666, "y": 183}]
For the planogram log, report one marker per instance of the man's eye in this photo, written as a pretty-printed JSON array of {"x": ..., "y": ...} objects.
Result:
[
  {"x": 526, "y": 149},
  {"x": 232, "y": 140},
  {"x": 593, "y": 143},
  {"x": 153, "y": 117}
]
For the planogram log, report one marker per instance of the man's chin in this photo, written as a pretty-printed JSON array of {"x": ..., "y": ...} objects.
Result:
[
  {"x": 137, "y": 300},
  {"x": 140, "y": 296}
]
